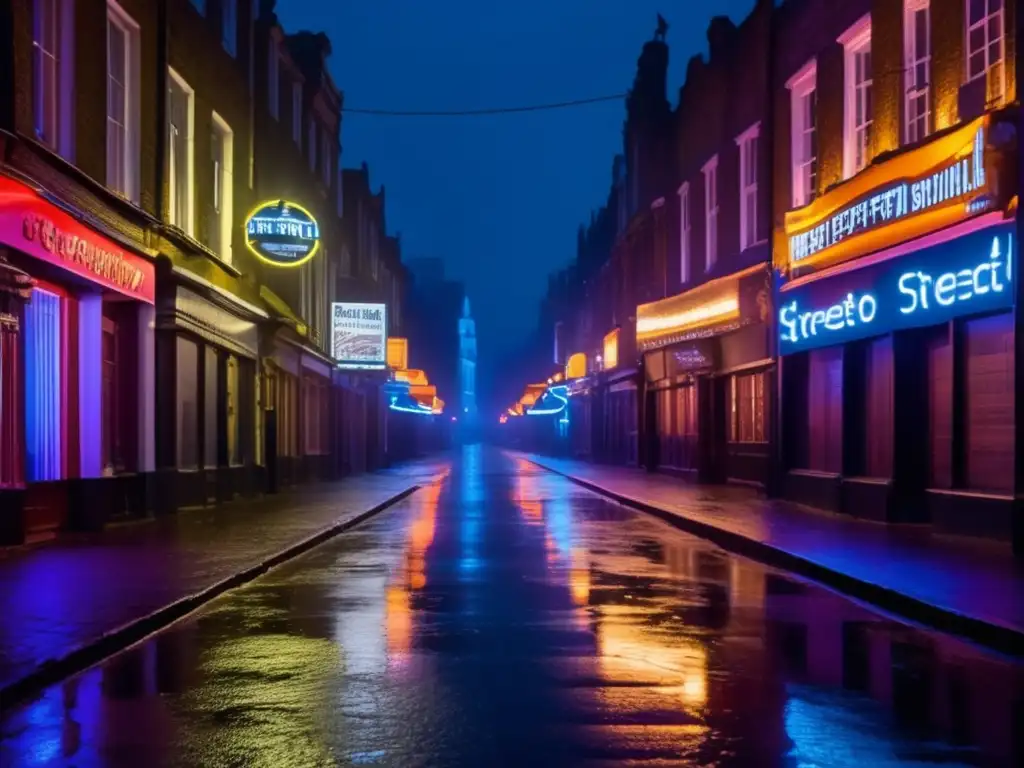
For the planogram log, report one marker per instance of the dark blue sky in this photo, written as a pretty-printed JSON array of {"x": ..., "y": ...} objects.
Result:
[{"x": 498, "y": 197}]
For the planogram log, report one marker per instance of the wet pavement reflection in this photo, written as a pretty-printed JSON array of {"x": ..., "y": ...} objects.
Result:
[{"x": 503, "y": 616}]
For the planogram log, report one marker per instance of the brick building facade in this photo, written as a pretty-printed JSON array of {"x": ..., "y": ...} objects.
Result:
[
  {"x": 153, "y": 357},
  {"x": 767, "y": 289}
]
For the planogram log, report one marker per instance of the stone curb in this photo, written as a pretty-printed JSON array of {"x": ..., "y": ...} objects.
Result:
[
  {"x": 106, "y": 645},
  {"x": 998, "y": 637}
]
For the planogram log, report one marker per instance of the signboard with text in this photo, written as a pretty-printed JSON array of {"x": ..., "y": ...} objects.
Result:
[
  {"x": 921, "y": 190},
  {"x": 282, "y": 233},
  {"x": 967, "y": 275},
  {"x": 31, "y": 225},
  {"x": 359, "y": 335}
]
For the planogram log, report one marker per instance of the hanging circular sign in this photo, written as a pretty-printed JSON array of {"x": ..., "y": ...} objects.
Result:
[{"x": 282, "y": 233}]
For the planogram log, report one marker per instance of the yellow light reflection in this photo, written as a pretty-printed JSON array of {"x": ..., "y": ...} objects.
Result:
[
  {"x": 631, "y": 651},
  {"x": 413, "y": 575}
]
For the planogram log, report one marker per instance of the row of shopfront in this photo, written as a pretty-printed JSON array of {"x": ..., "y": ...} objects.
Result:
[
  {"x": 131, "y": 386},
  {"x": 866, "y": 365}
]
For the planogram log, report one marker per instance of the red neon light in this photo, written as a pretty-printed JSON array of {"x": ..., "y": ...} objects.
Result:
[{"x": 30, "y": 224}]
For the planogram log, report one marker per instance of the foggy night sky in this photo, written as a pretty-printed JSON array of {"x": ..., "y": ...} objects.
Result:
[{"x": 499, "y": 197}]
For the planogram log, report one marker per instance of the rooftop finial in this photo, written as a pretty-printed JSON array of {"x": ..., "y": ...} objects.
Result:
[{"x": 662, "y": 29}]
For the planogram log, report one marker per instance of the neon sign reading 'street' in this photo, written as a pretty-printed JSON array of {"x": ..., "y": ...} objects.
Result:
[
  {"x": 895, "y": 201},
  {"x": 964, "y": 276}
]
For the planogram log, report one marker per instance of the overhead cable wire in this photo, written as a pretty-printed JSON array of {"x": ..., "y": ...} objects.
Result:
[{"x": 482, "y": 111}]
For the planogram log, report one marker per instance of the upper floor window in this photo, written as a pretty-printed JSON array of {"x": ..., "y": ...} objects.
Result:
[
  {"x": 985, "y": 46},
  {"x": 273, "y": 79},
  {"x": 711, "y": 212},
  {"x": 747, "y": 142},
  {"x": 341, "y": 197},
  {"x": 229, "y": 25},
  {"x": 297, "y": 113},
  {"x": 122, "y": 103},
  {"x": 222, "y": 144},
  {"x": 52, "y": 91},
  {"x": 684, "y": 233},
  {"x": 180, "y": 152},
  {"x": 200, "y": 6},
  {"x": 311, "y": 141},
  {"x": 917, "y": 56},
  {"x": 804, "y": 138},
  {"x": 326, "y": 160},
  {"x": 856, "y": 42}
]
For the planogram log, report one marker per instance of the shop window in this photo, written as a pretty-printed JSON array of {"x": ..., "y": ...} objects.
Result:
[
  {"x": 985, "y": 55},
  {"x": 316, "y": 413},
  {"x": 988, "y": 403},
  {"x": 234, "y": 412},
  {"x": 856, "y": 42},
  {"x": 940, "y": 408},
  {"x": 111, "y": 410},
  {"x": 804, "y": 138},
  {"x": 747, "y": 410},
  {"x": 44, "y": 429},
  {"x": 825, "y": 410},
  {"x": 123, "y": 112},
  {"x": 877, "y": 388},
  {"x": 210, "y": 386},
  {"x": 188, "y": 403},
  {"x": 917, "y": 56},
  {"x": 222, "y": 146}
]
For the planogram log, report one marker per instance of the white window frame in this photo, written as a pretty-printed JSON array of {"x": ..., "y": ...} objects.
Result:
[
  {"x": 856, "y": 42},
  {"x": 710, "y": 171},
  {"x": 748, "y": 186},
  {"x": 273, "y": 78},
  {"x": 128, "y": 185},
  {"x": 226, "y": 187},
  {"x": 297, "y": 113},
  {"x": 53, "y": 74},
  {"x": 803, "y": 180},
  {"x": 183, "y": 220},
  {"x": 685, "y": 227},
  {"x": 999, "y": 16},
  {"x": 912, "y": 59},
  {"x": 229, "y": 26}
]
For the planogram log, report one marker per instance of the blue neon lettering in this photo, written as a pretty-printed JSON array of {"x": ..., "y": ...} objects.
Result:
[
  {"x": 952, "y": 287},
  {"x": 850, "y": 311}
]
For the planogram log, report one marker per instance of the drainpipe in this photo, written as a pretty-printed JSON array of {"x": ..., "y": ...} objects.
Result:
[{"x": 162, "y": 61}]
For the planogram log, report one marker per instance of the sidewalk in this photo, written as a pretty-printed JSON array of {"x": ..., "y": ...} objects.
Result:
[
  {"x": 971, "y": 588},
  {"x": 63, "y": 596}
]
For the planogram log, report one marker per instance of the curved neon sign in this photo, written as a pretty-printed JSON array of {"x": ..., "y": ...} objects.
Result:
[
  {"x": 282, "y": 233},
  {"x": 564, "y": 401}
]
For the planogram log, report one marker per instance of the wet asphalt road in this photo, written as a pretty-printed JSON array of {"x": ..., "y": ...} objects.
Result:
[{"x": 503, "y": 616}]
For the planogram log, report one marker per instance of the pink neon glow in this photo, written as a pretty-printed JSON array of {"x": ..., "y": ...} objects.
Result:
[
  {"x": 942, "y": 236},
  {"x": 30, "y": 224}
]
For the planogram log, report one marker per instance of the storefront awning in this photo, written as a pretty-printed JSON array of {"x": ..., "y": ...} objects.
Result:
[{"x": 717, "y": 306}]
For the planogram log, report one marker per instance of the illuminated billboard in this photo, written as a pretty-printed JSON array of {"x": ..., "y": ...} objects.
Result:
[
  {"x": 359, "y": 335},
  {"x": 967, "y": 275}
]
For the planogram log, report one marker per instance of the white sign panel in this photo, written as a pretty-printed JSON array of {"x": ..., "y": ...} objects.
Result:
[{"x": 359, "y": 335}]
